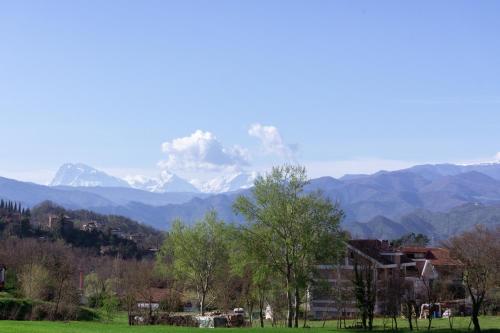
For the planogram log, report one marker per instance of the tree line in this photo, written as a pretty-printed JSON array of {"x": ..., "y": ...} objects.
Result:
[{"x": 9, "y": 206}]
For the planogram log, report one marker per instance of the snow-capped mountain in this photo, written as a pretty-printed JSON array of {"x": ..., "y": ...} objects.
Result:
[
  {"x": 141, "y": 182},
  {"x": 79, "y": 174},
  {"x": 233, "y": 182},
  {"x": 167, "y": 182}
]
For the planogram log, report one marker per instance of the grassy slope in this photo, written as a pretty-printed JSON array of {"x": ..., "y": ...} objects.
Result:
[{"x": 489, "y": 324}]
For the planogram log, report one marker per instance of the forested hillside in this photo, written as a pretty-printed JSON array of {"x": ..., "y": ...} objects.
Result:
[{"x": 100, "y": 234}]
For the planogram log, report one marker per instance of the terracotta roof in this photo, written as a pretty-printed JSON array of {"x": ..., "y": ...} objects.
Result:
[
  {"x": 437, "y": 255},
  {"x": 157, "y": 295},
  {"x": 374, "y": 249},
  {"x": 441, "y": 257}
]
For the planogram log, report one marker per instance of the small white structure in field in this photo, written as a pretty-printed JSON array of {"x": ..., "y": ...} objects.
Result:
[{"x": 269, "y": 312}]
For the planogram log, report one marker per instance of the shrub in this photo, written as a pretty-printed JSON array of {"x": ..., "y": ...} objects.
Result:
[
  {"x": 15, "y": 309},
  {"x": 41, "y": 311},
  {"x": 25, "y": 309},
  {"x": 34, "y": 281},
  {"x": 109, "y": 306},
  {"x": 86, "y": 314}
]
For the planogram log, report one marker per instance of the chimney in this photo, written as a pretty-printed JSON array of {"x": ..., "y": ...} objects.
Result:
[
  {"x": 81, "y": 281},
  {"x": 397, "y": 260},
  {"x": 385, "y": 244}
]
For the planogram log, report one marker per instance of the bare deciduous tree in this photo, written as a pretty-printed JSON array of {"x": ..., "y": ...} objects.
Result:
[
  {"x": 408, "y": 298},
  {"x": 390, "y": 297},
  {"x": 478, "y": 251},
  {"x": 365, "y": 291}
]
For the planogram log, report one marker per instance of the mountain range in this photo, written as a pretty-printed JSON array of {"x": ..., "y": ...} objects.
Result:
[
  {"x": 82, "y": 175},
  {"x": 438, "y": 200}
]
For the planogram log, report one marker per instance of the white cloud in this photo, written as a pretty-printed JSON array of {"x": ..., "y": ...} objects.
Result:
[
  {"x": 485, "y": 160},
  {"x": 202, "y": 151},
  {"x": 272, "y": 141}
]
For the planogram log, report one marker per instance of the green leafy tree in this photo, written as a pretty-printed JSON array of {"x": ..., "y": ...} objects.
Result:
[
  {"x": 290, "y": 230},
  {"x": 198, "y": 253},
  {"x": 247, "y": 263}
]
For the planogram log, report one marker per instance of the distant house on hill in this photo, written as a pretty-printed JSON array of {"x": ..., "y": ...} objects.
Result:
[
  {"x": 60, "y": 221},
  {"x": 3, "y": 271},
  {"x": 90, "y": 226},
  {"x": 117, "y": 232},
  {"x": 136, "y": 237},
  {"x": 52, "y": 220}
]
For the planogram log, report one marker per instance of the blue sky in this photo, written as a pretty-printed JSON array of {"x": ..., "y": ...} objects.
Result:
[{"x": 340, "y": 86}]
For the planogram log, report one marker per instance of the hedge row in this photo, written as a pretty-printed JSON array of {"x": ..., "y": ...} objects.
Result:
[{"x": 25, "y": 309}]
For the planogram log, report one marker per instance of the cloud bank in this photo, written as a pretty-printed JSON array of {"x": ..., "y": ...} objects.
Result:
[
  {"x": 272, "y": 142},
  {"x": 202, "y": 151}
]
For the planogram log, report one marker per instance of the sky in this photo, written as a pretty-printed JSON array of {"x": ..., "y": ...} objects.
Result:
[{"x": 201, "y": 88}]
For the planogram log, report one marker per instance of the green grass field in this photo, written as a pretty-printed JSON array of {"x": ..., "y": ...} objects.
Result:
[{"x": 489, "y": 324}]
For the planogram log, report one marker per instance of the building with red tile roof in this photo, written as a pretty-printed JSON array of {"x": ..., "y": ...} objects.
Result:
[
  {"x": 440, "y": 259},
  {"x": 384, "y": 260}
]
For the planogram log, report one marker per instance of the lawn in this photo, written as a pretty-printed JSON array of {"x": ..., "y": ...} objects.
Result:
[{"x": 489, "y": 324}]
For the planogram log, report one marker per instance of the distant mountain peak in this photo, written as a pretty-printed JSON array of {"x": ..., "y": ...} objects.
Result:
[
  {"x": 141, "y": 182},
  {"x": 231, "y": 182},
  {"x": 79, "y": 174},
  {"x": 169, "y": 182},
  {"x": 166, "y": 182}
]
